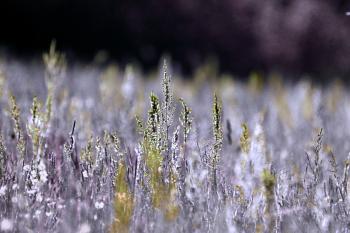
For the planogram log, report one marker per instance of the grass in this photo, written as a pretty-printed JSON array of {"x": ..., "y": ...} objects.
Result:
[{"x": 80, "y": 152}]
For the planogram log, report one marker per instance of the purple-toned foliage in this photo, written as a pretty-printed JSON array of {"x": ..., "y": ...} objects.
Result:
[{"x": 259, "y": 156}]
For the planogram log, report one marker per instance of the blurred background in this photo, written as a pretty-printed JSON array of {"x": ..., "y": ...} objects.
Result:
[{"x": 290, "y": 36}]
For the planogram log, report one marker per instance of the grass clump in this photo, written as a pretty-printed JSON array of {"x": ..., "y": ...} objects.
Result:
[
  {"x": 123, "y": 202},
  {"x": 156, "y": 149},
  {"x": 269, "y": 181},
  {"x": 162, "y": 193}
]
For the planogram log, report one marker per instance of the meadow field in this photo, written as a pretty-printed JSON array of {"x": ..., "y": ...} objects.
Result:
[{"x": 85, "y": 148}]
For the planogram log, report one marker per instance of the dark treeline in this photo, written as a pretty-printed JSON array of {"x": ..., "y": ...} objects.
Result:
[{"x": 302, "y": 36}]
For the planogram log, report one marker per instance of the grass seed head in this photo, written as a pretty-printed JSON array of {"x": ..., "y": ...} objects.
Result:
[
  {"x": 153, "y": 123},
  {"x": 15, "y": 115},
  {"x": 186, "y": 120},
  {"x": 217, "y": 124},
  {"x": 3, "y": 157},
  {"x": 55, "y": 63},
  {"x": 245, "y": 139}
]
